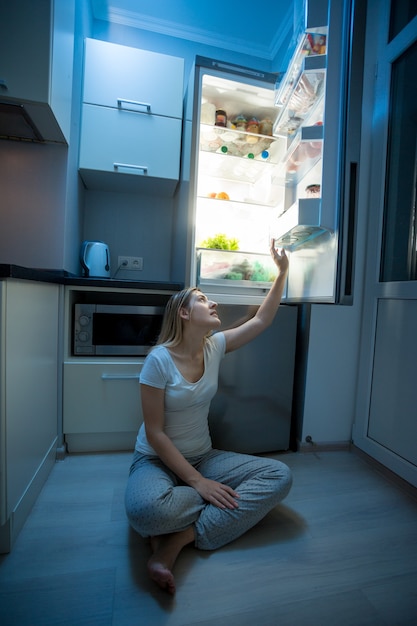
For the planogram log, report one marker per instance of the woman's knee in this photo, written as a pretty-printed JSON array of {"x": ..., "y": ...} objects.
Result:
[
  {"x": 154, "y": 513},
  {"x": 283, "y": 479},
  {"x": 147, "y": 519},
  {"x": 278, "y": 477}
]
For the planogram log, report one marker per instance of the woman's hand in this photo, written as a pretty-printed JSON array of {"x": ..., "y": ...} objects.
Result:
[
  {"x": 280, "y": 260},
  {"x": 216, "y": 493}
]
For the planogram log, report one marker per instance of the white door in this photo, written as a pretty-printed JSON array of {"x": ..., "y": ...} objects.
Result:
[{"x": 386, "y": 411}]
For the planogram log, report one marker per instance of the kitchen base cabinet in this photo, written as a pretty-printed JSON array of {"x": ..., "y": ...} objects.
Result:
[
  {"x": 102, "y": 408},
  {"x": 28, "y": 397}
]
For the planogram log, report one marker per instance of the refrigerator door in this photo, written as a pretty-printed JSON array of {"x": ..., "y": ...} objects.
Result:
[{"x": 317, "y": 226}]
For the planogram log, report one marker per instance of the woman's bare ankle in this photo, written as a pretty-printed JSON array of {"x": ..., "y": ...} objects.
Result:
[{"x": 166, "y": 549}]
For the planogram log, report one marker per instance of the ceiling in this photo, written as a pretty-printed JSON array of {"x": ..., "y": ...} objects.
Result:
[{"x": 255, "y": 28}]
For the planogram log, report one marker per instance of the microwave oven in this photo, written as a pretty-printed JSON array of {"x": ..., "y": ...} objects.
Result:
[{"x": 115, "y": 330}]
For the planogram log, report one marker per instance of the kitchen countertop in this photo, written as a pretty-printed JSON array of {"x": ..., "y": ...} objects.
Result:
[{"x": 65, "y": 278}]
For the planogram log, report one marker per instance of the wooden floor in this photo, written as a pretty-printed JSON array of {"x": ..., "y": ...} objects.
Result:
[{"x": 340, "y": 551}]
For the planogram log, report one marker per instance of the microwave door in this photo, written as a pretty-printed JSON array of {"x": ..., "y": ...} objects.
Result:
[
  {"x": 113, "y": 330},
  {"x": 126, "y": 330}
]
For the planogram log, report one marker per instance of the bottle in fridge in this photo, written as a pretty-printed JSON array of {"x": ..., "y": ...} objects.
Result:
[{"x": 276, "y": 166}]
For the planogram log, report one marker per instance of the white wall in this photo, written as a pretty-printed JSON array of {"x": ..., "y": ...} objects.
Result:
[
  {"x": 330, "y": 392},
  {"x": 165, "y": 44},
  {"x": 133, "y": 225},
  {"x": 32, "y": 203}
]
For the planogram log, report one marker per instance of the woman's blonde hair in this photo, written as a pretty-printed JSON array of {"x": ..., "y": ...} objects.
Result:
[{"x": 171, "y": 329}]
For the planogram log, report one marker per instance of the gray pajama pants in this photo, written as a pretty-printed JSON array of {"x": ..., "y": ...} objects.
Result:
[{"x": 158, "y": 503}]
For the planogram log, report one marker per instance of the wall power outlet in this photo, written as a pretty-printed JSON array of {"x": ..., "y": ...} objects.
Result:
[{"x": 130, "y": 262}]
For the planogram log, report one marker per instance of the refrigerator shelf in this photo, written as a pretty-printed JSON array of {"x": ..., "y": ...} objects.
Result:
[
  {"x": 237, "y": 143},
  {"x": 264, "y": 199},
  {"x": 234, "y": 168},
  {"x": 234, "y": 268},
  {"x": 219, "y": 283}
]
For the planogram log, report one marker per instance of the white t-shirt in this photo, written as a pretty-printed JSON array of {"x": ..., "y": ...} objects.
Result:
[{"x": 186, "y": 404}]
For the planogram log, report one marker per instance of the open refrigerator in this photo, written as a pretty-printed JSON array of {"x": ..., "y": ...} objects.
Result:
[{"x": 270, "y": 160}]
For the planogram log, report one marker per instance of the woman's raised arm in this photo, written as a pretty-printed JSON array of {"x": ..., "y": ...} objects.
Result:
[{"x": 239, "y": 336}]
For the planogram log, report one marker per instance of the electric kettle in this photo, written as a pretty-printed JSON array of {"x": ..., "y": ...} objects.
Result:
[{"x": 95, "y": 259}]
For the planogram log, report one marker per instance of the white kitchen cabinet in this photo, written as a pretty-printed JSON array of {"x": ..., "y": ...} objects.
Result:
[
  {"x": 102, "y": 409},
  {"x": 28, "y": 397},
  {"x": 131, "y": 118},
  {"x": 113, "y": 72},
  {"x": 36, "y": 62},
  {"x": 129, "y": 146}
]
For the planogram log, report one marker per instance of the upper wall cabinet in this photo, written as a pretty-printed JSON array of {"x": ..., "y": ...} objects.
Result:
[
  {"x": 36, "y": 67},
  {"x": 131, "y": 119}
]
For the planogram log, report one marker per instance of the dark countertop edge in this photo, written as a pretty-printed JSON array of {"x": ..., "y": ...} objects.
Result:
[
  {"x": 63, "y": 277},
  {"x": 119, "y": 283},
  {"x": 27, "y": 273}
]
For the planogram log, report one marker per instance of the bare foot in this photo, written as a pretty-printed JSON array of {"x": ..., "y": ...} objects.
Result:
[
  {"x": 161, "y": 575},
  {"x": 166, "y": 548}
]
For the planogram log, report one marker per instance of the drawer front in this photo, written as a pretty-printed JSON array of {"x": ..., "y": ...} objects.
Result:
[
  {"x": 133, "y": 143},
  {"x": 101, "y": 397},
  {"x": 121, "y": 76}
]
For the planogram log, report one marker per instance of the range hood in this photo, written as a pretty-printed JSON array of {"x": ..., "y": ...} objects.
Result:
[{"x": 15, "y": 123}]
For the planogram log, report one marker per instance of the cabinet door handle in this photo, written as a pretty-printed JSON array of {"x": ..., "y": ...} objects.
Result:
[
  {"x": 132, "y": 105},
  {"x": 120, "y": 377},
  {"x": 131, "y": 166}
]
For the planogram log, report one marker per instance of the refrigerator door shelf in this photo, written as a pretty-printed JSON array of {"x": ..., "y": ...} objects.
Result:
[
  {"x": 303, "y": 64},
  {"x": 300, "y": 224},
  {"x": 308, "y": 90},
  {"x": 304, "y": 152},
  {"x": 290, "y": 121}
]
